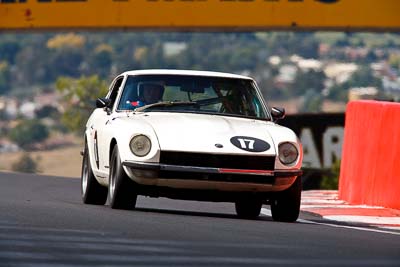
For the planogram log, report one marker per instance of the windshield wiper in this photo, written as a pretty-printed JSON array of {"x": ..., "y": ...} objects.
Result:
[{"x": 167, "y": 104}]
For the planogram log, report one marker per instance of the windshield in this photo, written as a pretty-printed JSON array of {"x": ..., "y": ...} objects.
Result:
[{"x": 194, "y": 94}]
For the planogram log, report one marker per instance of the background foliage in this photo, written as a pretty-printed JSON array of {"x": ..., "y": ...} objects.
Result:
[
  {"x": 28, "y": 132},
  {"x": 79, "y": 99},
  {"x": 32, "y": 61}
]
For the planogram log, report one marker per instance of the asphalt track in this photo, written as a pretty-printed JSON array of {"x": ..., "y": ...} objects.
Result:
[{"x": 44, "y": 223}]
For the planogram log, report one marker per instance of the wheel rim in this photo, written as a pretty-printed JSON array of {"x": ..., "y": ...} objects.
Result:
[
  {"x": 85, "y": 175},
  {"x": 112, "y": 179}
]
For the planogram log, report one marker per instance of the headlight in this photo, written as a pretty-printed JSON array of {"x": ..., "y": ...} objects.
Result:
[
  {"x": 140, "y": 145},
  {"x": 288, "y": 153}
]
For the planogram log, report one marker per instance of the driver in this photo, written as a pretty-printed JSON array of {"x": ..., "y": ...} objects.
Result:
[
  {"x": 152, "y": 93},
  {"x": 149, "y": 93}
]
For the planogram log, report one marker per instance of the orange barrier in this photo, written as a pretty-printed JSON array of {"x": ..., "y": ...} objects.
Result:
[{"x": 370, "y": 167}]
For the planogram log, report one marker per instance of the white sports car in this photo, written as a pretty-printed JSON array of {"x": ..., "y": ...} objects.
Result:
[{"x": 191, "y": 135}]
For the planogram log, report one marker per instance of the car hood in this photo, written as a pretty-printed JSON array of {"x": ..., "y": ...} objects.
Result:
[{"x": 205, "y": 133}]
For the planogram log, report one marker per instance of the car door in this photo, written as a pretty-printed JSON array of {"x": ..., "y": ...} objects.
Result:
[{"x": 101, "y": 133}]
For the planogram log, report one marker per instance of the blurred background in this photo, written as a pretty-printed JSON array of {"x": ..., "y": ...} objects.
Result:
[{"x": 49, "y": 81}]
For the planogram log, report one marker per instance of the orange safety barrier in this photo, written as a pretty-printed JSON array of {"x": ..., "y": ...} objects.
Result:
[{"x": 370, "y": 167}]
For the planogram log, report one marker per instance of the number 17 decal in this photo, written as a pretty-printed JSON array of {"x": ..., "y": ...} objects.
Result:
[
  {"x": 246, "y": 143},
  {"x": 250, "y": 144}
]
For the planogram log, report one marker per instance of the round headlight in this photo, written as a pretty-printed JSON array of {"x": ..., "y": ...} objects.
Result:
[
  {"x": 288, "y": 153},
  {"x": 140, "y": 145}
]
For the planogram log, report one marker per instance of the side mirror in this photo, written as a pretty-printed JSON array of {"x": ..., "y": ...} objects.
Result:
[
  {"x": 102, "y": 102},
  {"x": 277, "y": 113}
]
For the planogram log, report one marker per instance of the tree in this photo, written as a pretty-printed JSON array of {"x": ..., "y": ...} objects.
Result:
[
  {"x": 31, "y": 70},
  {"x": 79, "y": 97},
  {"x": 310, "y": 80},
  {"x": 65, "y": 41},
  {"x": 312, "y": 102},
  {"x": 25, "y": 164},
  {"x": 47, "y": 111},
  {"x": 394, "y": 61},
  {"x": 28, "y": 132},
  {"x": 67, "y": 54},
  {"x": 66, "y": 61},
  {"x": 8, "y": 51},
  {"x": 4, "y": 77},
  {"x": 363, "y": 77},
  {"x": 338, "y": 93},
  {"x": 100, "y": 62}
]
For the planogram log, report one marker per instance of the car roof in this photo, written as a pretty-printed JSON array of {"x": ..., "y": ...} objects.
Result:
[{"x": 185, "y": 72}]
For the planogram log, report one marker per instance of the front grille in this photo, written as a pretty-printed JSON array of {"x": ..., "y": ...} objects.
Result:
[
  {"x": 217, "y": 177},
  {"x": 218, "y": 161}
]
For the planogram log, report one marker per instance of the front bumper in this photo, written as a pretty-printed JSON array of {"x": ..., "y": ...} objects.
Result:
[{"x": 190, "y": 177}]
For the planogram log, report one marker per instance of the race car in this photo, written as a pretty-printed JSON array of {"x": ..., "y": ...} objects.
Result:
[{"x": 192, "y": 135}]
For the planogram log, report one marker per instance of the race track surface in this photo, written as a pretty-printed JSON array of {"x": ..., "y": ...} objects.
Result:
[{"x": 44, "y": 223}]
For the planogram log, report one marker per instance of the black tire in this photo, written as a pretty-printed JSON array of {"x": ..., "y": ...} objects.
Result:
[
  {"x": 92, "y": 192},
  {"x": 248, "y": 208},
  {"x": 121, "y": 189},
  {"x": 285, "y": 207}
]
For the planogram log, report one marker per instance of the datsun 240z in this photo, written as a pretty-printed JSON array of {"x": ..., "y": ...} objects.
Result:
[{"x": 192, "y": 135}]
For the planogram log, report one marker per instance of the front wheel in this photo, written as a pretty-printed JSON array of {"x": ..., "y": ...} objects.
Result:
[
  {"x": 248, "y": 208},
  {"x": 121, "y": 189},
  {"x": 285, "y": 207},
  {"x": 92, "y": 191}
]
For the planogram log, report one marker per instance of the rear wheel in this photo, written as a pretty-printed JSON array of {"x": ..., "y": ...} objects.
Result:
[
  {"x": 285, "y": 207},
  {"x": 92, "y": 191},
  {"x": 121, "y": 189},
  {"x": 248, "y": 208}
]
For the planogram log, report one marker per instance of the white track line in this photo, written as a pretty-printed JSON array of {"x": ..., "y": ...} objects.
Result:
[
  {"x": 375, "y": 220},
  {"x": 323, "y": 205},
  {"x": 267, "y": 212},
  {"x": 322, "y": 201}
]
